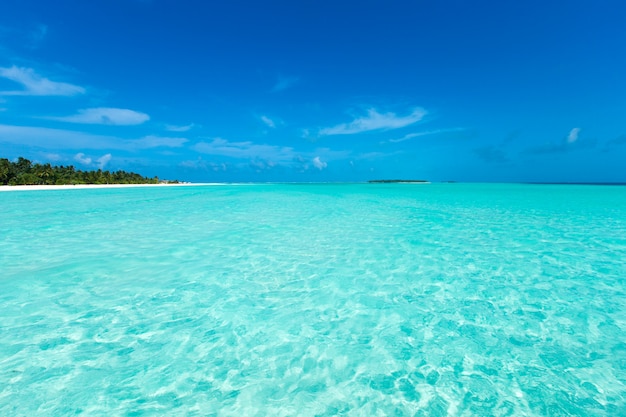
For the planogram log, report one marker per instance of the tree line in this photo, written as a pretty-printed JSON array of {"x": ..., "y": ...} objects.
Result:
[{"x": 24, "y": 172}]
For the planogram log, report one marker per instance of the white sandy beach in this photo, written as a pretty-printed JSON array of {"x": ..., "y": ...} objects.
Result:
[{"x": 85, "y": 186}]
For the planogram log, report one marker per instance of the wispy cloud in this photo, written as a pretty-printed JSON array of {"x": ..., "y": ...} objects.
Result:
[
  {"x": 305, "y": 133},
  {"x": 259, "y": 164},
  {"x": 303, "y": 163},
  {"x": 318, "y": 163},
  {"x": 36, "y": 85},
  {"x": 426, "y": 133},
  {"x": 570, "y": 142},
  {"x": 105, "y": 116},
  {"x": 377, "y": 155},
  {"x": 268, "y": 122},
  {"x": 331, "y": 154},
  {"x": 375, "y": 121},
  {"x": 201, "y": 164},
  {"x": 51, "y": 156},
  {"x": 101, "y": 162},
  {"x": 263, "y": 157},
  {"x": 104, "y": 160},
  {"x": 284, "y": 83},
  {"x": 81, "y": 158},
  {"x": 176, "y": 128},
  {"x": 247, "y": 150},
  {"x": 153, "y": 141},
  {"x": 573, "y": 135},
  {"x": 56, "y": 139}
]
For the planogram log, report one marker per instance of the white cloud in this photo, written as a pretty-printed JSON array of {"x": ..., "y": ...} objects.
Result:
[
  {"x": 218, "y": 167},
  {"x": 573, "y": 135},
  {"x": 204, "y": 165},
  {"x": 374, "y": 121},
  {"x": 262, "y": 157},
  {"x": 377, "y": 155},
  {"x": 219, "y": 146},
  {"x": 88, "y": 161},
  {"x": 269, "y": 122},
  {"x": 81, "y": 158},
  {"x": 103, "y": 160},
  {"x": 192, "y": 164},
  {"x": 428, "y": 132},
  {"x": 175, "y": 128},
  {"x": 55, "y": 138},
  {"x": 571, "y": 142},
  {"x": 47, "y": 138},
  {"x": 36, "y": 85},
  {"x": 106, "y": 116},
  {"x": 152, "y": 141},
  {"x": 261, "y": 165},
  {"x": 319, "y": 164},
  {"x": 55, "y": 157},
  {"x": 329, "y": 154}
]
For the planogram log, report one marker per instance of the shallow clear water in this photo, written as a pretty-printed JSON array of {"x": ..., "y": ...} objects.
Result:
[{"x": 314, "y": 300}]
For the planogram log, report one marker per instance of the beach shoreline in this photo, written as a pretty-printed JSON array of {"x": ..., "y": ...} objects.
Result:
[{"x": 92, "y": 186}]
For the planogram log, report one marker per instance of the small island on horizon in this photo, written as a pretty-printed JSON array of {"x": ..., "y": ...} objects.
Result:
[
  {"x": 398, "y": 182},
  {"x": 24, "y": 172}
]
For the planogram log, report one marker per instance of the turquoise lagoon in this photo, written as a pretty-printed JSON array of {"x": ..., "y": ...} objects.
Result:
[{"x": 314, "y": 300}]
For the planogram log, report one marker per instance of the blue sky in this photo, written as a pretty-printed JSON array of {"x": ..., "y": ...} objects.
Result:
[{"x": 318, "y": 90}]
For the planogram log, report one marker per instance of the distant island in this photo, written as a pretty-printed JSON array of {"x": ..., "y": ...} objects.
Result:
[
  {"x": 24, "y": 172},
  {"x": 398, "y": 181}
]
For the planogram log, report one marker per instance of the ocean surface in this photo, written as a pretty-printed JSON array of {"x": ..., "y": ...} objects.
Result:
[{"x": 314, "y": 300}]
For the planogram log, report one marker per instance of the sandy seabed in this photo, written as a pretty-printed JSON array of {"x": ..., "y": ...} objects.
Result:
[{"x": 84, "y": 186}]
